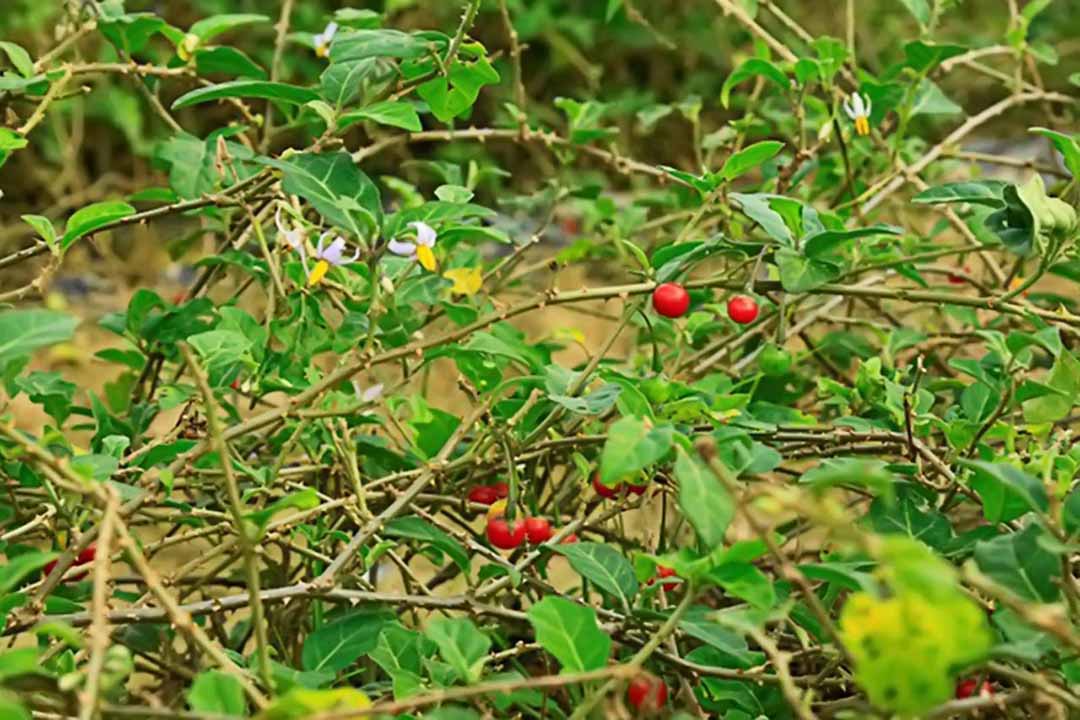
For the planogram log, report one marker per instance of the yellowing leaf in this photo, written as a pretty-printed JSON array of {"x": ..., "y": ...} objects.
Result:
[
  {"x": 300, "y": 703},
  {"x": 467, "y": 281}
]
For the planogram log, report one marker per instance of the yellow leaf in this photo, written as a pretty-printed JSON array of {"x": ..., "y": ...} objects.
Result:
[
  {"x": 321, "y": 268},
  {"x": 467, "y": 281},
  {"x": 426, "y": 257}
]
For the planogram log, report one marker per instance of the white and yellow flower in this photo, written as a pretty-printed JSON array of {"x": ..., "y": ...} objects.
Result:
[
  {"x": 858, "y": 108},
  {"x": 322, "y": 40},
  {"x": 296, "y": 238},
  {"x": 332, "y": 254},
  {"x": 422, "y": 250}
]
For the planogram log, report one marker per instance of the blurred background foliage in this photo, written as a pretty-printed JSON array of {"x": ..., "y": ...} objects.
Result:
[{"x": 632, "y": 58}]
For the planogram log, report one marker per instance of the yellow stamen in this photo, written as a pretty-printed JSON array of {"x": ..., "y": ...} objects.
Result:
[
  {"x": 321, "y": 268},
  {"x": 426, "y": 257},
  {"x": 862, "y": 125},
  {"x": 322, "y": 50}
]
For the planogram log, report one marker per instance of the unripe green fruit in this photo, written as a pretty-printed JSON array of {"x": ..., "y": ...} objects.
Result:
[{"x": 774, "y": 361}]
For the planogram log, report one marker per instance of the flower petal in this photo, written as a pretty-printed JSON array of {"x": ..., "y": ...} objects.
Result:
[
  {"x": 404, "y": 249},
  {"x": 425, "y": 234}
]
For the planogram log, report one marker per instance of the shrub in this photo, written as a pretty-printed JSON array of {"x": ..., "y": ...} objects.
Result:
[{"x": 534, "y": 359}]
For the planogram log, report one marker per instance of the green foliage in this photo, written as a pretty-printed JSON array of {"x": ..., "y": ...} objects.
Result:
[{"x": 299, "y": 298}]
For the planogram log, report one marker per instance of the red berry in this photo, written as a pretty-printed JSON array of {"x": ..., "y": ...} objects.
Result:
[
  {"x": 538, "y": 530},
  {"x": 637, "y": 489},
  {"x": 664, "y": 572},
  {"x": 483, "y": 494},
  {"x": 603, "y": 490},
  {"x": 83, "y": 558},
  {"x": 743, "y": 309},
  {"x": 966, "y": 689},
  {"x": 647, "y": 693},
  {"x": 570, "y": 539},
  {"x": 503, "y": 535},
  {"x": 501, "y": 490},
  {"x": 235, "y": 385},
  {"x": 671, "y": 300}
]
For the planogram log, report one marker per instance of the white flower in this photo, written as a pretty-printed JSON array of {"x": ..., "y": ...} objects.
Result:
[
  {"x": 332, "y": 254},
  {"x": 421, "y": 249},
  {"x": 371, "y": 394},
  {"x": 859, "y": 110},
  {"x": 322, "y": 40},
  {"x": 296, "y": 237}
]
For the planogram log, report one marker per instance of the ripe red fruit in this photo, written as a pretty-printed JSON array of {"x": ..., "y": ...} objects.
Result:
[
  {"x": 671, "y": 300},
  {"x": 743, "y": 309},
  {"x": 501, "y": 490},
  {"x": 538, "y": 530},
  {"x": 570, "y": 539},
  {"x": 503, "y": 535},
  {"x": 647, "y": 693},
  {"x": 966, "y": 689},
  {"x": 664, "y": 572},
  {"x": 957, "y": 279},
  {"x": 85, "y": 557},
  {"x": 603, "y": 490},
  {"x": 637, "y": 489},
  {"x": 483, "y": 494}
]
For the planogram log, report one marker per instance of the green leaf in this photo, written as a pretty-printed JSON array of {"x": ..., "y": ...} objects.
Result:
[
  {"x": 703, "y": 499},
  {"x": 461, "y": 644},
  {"x": 211, "y": 27},
  {"x": 757, "y": 208},
  {"x": 19, "y": 58},
  {"x": 632, "y": 445},
  {"x": 361, "y": 44},
  {"x": 305, "y": 499},
  {"x": 16, "y": 568},
  {"x": 390, "y": 112},
  {"x": 227, "y": 61},
  {"x": 336, "y": 645},
  {"x": 604, "y": 566},
  {"x": 749, "y": 158},
  {"x": 451, "y": 96},
  {"x": 570, "y": 632},
  {"x": 222, "y": 351},
  {"x": 1069, "y": 147},
  {"x": 217, "y": 693},
  {"x": 920, "y": 9},
  {"x": 827, "y": 241},
  {"x": 754, "y": 67},
  {"x": 977, "y": 192},
  {"x": 24, "y": 331},
  {"x": 923, "y": 57},
  {"x": 246, "y": 89},
  {"x": 92, "y": 218},
  {"x": 930, "y": 100},
  {"x": 1019, "y": 562},
  {"x": 1006, "y": 492},
  {"x": 11, "y": 708},
  {"x": 341, "y": 83},
  {"x": 416, "y": 528},
  {"x": 1064, "y": 378},
  {"x": 44, "y": 228},
  {"x": 332, "y": 183},
  {"x": 800, "y": 274},
  {"x": 9, "y": 142}
]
